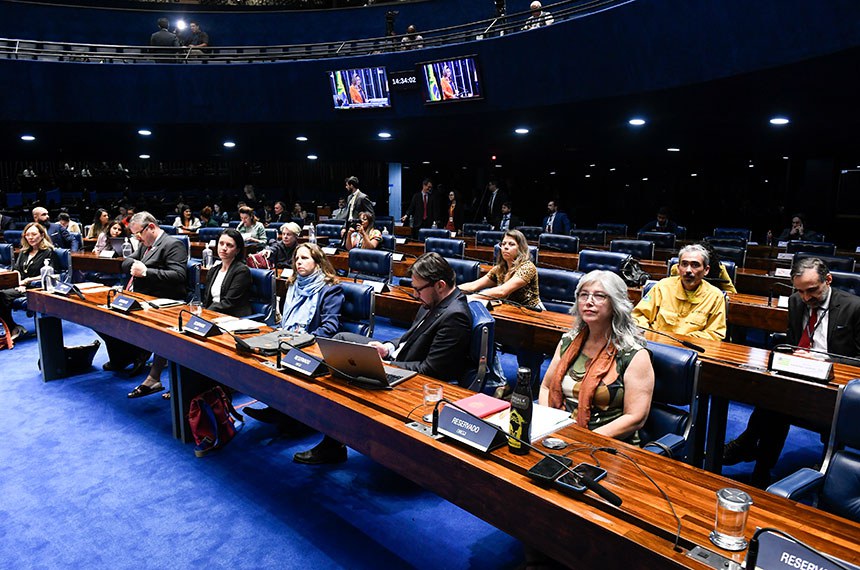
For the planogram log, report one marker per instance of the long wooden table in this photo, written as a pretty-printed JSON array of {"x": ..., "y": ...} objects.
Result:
[
  {"x": 578, "y": 531},
  {"x": 9, "y": 279}
]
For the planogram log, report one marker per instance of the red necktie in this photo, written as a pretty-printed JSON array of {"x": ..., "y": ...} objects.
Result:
[
  {"x": 809, "y": 331},
  {"x": 425, "y": 207}
]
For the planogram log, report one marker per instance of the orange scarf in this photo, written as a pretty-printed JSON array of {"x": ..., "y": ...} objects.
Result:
[{"x": 599, "y": 369}]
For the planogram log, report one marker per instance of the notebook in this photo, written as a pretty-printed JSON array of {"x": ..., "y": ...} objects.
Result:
[
  {"x": 360, "y": 364},
  {"x": 482, "y": 405},
  {"x": 267, "y": 344}
]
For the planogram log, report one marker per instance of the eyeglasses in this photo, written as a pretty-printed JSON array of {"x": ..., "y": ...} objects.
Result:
[
  {"x": 417, "y": 290},
  {"x": 138, "y": 233},
  {"x": 597, "y": 298}
]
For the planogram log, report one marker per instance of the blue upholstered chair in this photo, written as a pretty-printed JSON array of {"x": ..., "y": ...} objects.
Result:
[
  {"x": 263, "y": 299},
  {"x": 795, "y": 246},
  {"x": 533, "y": 252},
  {"x": 591, "y": 259},
  {"x": 556, "y": 242},
  {"x": 557, "y": 288},
  {"x": 446, "y": 247},
  {"x": 640, "y": 249},
  {"x": 170, "y": 218},
  {"x": 168, "y": 229},
  {"x": 464, "y": 269},
  {"x": 670, "y": 428},
  {"x": 488, "y": 237},
  {"x": 64, "y": 274},
  {"x": 206, "y": 235},
  {"x": 271, "y": 234},
  {"x": 662, "y": 240},
  {"x": 613, "y": 229},
  {"x": 192, "y": 280},
  {"x": 833, "y": 262},
  {"x": 389, "y": 243},
  {"x": 590, "y": 237},
  {"x": 681, "y": 232},
  {"x": 648, "y": 285},
  {"x": 737, "y": 255},
  {"x": 234, "y": 223},
  {"x": 532, "y": 233},
  {"x": 357, "y": 311},
  {"x": 482, "y": 351},
  {"x": 186, "y": 241},
  {"x": 835, "y": 487},
  {"x": 469, "y": 230},
  {"x": 330, "y": 230},
  {"x": 372, "y": 264},
  {"x": 5, "y": 255},
  {"x": 849, "y": 282},
  {"x": 425, "y": 233},
  {"x": 742, "y": 233},
  {"x": 273, "y": 226},
  {"x": 384, "y": 223},
  {"x": 13, "y": 237},
  {"x": 77, "y": 241}
]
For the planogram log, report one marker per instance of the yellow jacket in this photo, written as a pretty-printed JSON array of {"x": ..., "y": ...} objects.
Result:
[
  {"x": 726, "y": 285},
  {"x": 666, "y": 308}
]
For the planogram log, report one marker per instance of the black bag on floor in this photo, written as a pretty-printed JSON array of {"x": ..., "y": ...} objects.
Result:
[{"x": 79, "y": 359}]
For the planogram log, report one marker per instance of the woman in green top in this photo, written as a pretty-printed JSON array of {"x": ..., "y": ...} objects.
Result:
[{"x": 252, "y": 230}]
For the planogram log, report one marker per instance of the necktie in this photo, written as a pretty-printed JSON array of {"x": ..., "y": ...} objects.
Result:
[
  {"x": 492, "y": 199},
  {"x": 549, "y": 223},
  {"x": 809, "y": 331},
  {"x": 425, "y": 206},
  {"x": 130, "y": 285},
  {"x": 506, "y": 221}
]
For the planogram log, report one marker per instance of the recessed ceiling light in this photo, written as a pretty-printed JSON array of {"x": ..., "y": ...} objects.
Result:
[
  {"x": 384, "y": 135},
  {"x": 521, "y": 131},
  {"x": 498, "y": 166},
  {"x": 588, "y": 175},
  {"x": 785, "y": 158},
  {"x": 636, "y": 122},
  {"x": 552, "y": 173},
  {"x": 592, "y": 165},
  {"x": 612, "y": 169},
  {"x": 425, "y": 162},
  {"x": 645, "y": 179},
  {"x": 302, "y": 138},
  {"x": 229, "y": 144},
  {"x": 144, "y": 132},
  {"x": 673, "y": 149},
  {"x": 465, "y": 167},
  {"x": 779, "y": 121},
  {"x": 751, "y": 165},
  {"x": 694, "y": 175},
  {"x": 312, "y": 157},
  {"x": 143, "y": 156},
  {"x": 28, "y": 138}
]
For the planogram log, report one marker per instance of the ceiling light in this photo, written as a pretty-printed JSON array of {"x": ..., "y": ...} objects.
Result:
[
  {"x": 28, "y": 138},
  {"x": 636, "y": 122},
  {"x": 588, "y": 175},
  {"x": 180, "y": 25},
  {"x": 229, "y": 144},
  {"x": 312, "y": 157},
  {"x": 779, "y": 121},
  {"x": 645, "y": 179},
  {"x": 552, "y": 173},
  {"x": 612, "y": 169},
  {"x": 143, "y": 156},
  {"x": 673, "y": 149},
  {"x": 384, "y": 135},
  {"x": 592, "y": 165},
  {"x": 521, "y": 131},
  {"x": 144, "y": 132},
  {"x": 785, "y": 158},
  {"x": 302, "y": 138},
  {"x": 694, "y": 175},
  {"x": 498, "y": 166},
  {"x": 425, "y": 162},
  {"x": 751, "y": 165}
]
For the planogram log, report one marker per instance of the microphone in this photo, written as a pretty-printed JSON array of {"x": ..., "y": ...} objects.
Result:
[
  {"x": 590, "y": 483},
  {"x": 836, "y": 357},
  {"x": 772, "y": 287},
  {"x": 179, "y": 324},
  {"x": 112, "y": 292},
  {"x": 685, "y": 343}
]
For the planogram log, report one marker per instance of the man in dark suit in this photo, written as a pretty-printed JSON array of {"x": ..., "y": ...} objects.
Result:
[
  {"x": 163, "y": 37},
  {"x": 59, "y": 235},
  {"x": 508, "y": 221},
  {"x": 424, "y": 208},
  {"x": 555, "y": 222},
  {"x": 820, "y": 318},
  {"x": 493, "y": 207},
  {"x": 437, "y": 343},
  {"x": 5, "y": 223},
  {"x": 157, "y": 268},
  {"x": 358, "y": 201}
]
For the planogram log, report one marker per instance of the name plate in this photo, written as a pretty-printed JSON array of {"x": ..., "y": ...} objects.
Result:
[
  {"x": 782, "y": 272},
  {"x": 199, "y": 327},
  {"x": 782, "y": 244},
  {"x": 782, "y": 302},
  {"x": 399, "y": 241},
  {"x": 464, "y": 428},
  {"x": 61, "y": 288},
  {"x": 779, "y": 553},
  {"x": 397, "y": 256},
  {"x": 297, "y": 361},
  {"x": 788, "y": 256},
  {"x": 286, "y": 274},
  {"x": 107, "y": 253},
  {"x": 124, "y": 304},
  {"x": 801, "y": 367},
  {"x": 330, "y": 250},
  {"x": 377, "y": 286}
]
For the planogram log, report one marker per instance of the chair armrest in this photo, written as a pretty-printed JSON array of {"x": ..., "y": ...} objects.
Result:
[
  {"x": 670, "y": 445},
  {"x": 798, "y": 484}
]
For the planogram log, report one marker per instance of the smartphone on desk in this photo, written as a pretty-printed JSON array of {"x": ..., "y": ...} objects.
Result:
[
  {"x": 570, "y": 482},
  {"x": 548, "y": 468}
]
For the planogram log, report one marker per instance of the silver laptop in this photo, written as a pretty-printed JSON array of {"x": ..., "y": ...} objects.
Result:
[{"x": 360, "y": 364}]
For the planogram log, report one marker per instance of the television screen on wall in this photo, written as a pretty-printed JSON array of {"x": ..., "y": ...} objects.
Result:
[
  {"x": 360, "y": 88},
  {"x": 451, "y": 80}
]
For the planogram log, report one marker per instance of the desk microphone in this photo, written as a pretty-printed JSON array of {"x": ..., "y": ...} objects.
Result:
[
  {"x": 685, "y": 343},
  {"x": 593, "y": 485},
  {"x": 772, "y": 287},
  {"x": 788, "y": 348}
]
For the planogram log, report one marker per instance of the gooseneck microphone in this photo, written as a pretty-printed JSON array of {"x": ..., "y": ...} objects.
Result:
[
  {"x": 590, "y": 483},
  {"x": 832, "y": 355},
  {"x": 774, "y": 286},
  {"x": 682, "y": 342}
]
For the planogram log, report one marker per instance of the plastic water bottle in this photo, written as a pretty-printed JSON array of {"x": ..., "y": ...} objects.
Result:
[
  {"x": 207, "y": 257},
  {"x": 769, "y": 238},
  {"x": 47, "y": 273},
  {"x": 485, "y": 220},
  {"x": 312, "y": 234},
  {"x": 385, "y": 230},
  {"x": 435, "y": 226},
  {"x": 127, "y": 250}
]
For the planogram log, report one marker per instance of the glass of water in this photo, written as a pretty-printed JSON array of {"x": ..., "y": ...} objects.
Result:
[
  {"x": 733, "y": 508},
  {"x": 432, "y": 394}
]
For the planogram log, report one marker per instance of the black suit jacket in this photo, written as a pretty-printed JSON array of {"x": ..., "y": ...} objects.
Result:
[
  {"x": 494, "y": 215},
  {"x": 60, "y": 236},
  {"x": 235, "y": 290},
  {"x": 843, "y": 322},
  {"x": 416, "y": 210},
  {"x": 362, "y": 204},
  {"x": 437, "y": 343},
  {"x": 5, "y": 223},
  {"x": 513, "y": 224},
  {"x": 165, "y": 268}
]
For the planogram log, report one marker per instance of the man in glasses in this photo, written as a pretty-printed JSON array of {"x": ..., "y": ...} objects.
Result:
[
  {"x": 437, "y": 343},
  {"x": 821, "y": 319},
  {"x": 685, "y": 304}
]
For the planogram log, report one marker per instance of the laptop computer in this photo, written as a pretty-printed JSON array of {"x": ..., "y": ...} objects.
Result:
[
  {"x": 116, "y": 244},
  {"x": 360, "y": 364}
]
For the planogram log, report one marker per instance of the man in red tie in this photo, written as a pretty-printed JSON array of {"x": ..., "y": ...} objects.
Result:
[
  {"x": 820, "y": 318},
  {"x": 423, "y": 208}
]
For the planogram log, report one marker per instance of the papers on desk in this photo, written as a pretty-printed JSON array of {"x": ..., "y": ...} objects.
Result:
[
  {"x": 89, "y": 285},
  {"x": 397, "y": 256},
  {"x": 787, "y": 256},
  {"x": 399, "y": 241},
  {"x": 233, "y": 324},
  {"x": 165, "y": 303},
  {"x": 545, "y": 421},
  {"x": 782, "y": 302},
  {"x": 782, "y": 272},
  {"x": 288, "y": 272}
]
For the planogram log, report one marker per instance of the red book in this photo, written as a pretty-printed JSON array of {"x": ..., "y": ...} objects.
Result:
[{"x": 482, "y": 405}]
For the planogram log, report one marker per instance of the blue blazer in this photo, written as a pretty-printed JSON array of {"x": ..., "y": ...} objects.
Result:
[
  {"x": 326, "y": 319},
  {"x": 560, "y": 224}
]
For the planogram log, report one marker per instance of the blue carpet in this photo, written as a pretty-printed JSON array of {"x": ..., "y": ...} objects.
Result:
[{"x": 92, "y": 479}]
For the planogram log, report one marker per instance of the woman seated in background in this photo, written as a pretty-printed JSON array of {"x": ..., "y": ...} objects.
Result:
[
  {"x": 514, "y": 277},
  {"x": 280, "y": 252},
  {"x": 455, "y": 213},
  {"x": 36, "y": 248},
  {"x": 600, "y": 371},
  {"x": 101, "y": 221},
  {"x": 207, "y": 218},
  {"x": 718, "y": 276},
  {"x": 227, "y": 290},
  {"x": 312, "y": 304},
  {"x": 219, "y": 215},
  {"x": 186, "y": 222},
  {"x": 250, "y": 228},
  {"x": 114, "y": 230},
  {"x": 364, "y": 235},
  {"x": 299, "y": 213}
]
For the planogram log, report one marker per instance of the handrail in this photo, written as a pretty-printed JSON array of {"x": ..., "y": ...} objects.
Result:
[{"x": 46, "y": 50}]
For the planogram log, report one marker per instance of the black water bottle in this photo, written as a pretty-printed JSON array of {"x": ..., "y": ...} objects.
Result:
[{"x": 521, "y": 412}]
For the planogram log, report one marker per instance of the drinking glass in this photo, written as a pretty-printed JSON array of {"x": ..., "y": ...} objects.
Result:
[{"x": 432, "y": 394}]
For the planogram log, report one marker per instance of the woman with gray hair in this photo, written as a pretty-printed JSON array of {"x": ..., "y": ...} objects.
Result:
[{"x": 600, "y": 371}]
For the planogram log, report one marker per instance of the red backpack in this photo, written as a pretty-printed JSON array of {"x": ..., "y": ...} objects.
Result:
[{"x": 214, "y": 421}]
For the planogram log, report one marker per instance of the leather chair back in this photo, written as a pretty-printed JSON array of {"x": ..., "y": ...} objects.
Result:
[
  {"x": 590, "y": 237},
  {"x": 471, "y": 229},
  {"x": 742, "y": 233},
  {"x": 488, "y": 237},
  {"x": 613, "y": 229},
  {"x": 532, "y": 233},
  {"x": 823, "y": 248},
  {"x": 848, "y": 282},
  {"x": 168, "y": 229},
  {"x": 272, "y": 226},
  {"x": 13, "y": 237},
  {"x": 192, "y": 280},
  {"x": 206, "y": 235},
  {"x": 445, "y": 247},
  {"x": 662, "y": 240},
  {"x": 833, "y": 262},
  {"x": 557, "y": 242},
  {"x": 840, "y": 493},
  {"x": 482, "y": 349},
  {"x": 727, "y": 242},
  {"x": 681, "y": 232},
  {"x": 356, "y": 313},
  {"x": 389, "y": 243},
  {"x": 591, "y": 259},
  {"x": 737, "y": 255},
  {"x": 558, "y": 288},
  {"x": 640, "y": 249},
  {"x": 425, "y": 233},
  {"x": 186, "y": 242},
  {"x": 385, "y": 223},
  {"x": 77, "y": 241},
  {"x": 5, "y": 255},
  {"x": 271, "y": 234},
  {"x": 464, "y": 269},
  {"x": 263, "y": 295},
  {"x": 370, "y": 264}
]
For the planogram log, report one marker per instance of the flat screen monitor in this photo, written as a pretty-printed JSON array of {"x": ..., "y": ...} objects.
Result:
[
  {"x": 360, "y": 88},
  {"x": 451, "y": 80}
]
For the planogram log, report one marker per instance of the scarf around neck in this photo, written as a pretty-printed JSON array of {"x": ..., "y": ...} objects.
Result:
[{"x": 301, "y": 301}]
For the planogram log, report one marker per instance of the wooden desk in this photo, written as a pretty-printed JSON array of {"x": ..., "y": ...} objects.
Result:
[
  {"x": 9, "y": 279},
  {"x": 581, "y": 532},
  {"x": 89, "y": 261}
]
